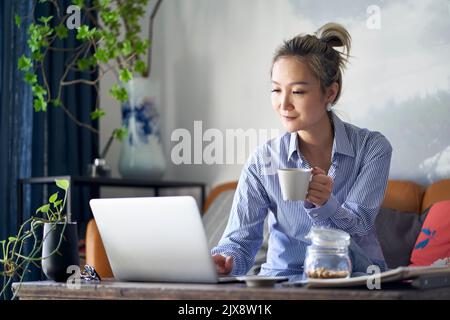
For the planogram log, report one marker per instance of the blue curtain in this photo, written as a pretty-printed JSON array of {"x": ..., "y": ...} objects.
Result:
[
  {"x": 44, "y": 143},
  {"x": 16, "y": 115},
  {"x": 60, "y": 147}
]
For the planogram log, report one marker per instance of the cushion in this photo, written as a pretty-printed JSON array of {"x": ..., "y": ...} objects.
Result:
[
  {"x": 433, "y": 242},
  {"x": 436, "y": 192},
  {"x": 397, "y": 232},
  {"x": 404, "y": 196}
]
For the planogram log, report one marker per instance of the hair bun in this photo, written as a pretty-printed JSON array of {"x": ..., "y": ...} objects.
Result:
[{"x": 334, "y": 35}]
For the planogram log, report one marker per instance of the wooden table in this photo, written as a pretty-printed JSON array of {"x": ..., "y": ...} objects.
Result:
[{"x": 108, "y": 289}]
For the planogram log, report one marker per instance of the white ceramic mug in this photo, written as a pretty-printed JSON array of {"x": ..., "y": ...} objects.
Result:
[{"x": 294, "y": 183}]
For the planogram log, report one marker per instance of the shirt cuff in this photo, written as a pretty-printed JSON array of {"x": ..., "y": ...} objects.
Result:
[{"x": 319, "y": 214}]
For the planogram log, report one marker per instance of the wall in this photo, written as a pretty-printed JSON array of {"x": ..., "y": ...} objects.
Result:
[{"x": 212, "y": 59}]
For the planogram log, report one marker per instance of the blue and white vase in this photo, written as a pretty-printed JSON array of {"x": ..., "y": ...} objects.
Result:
[{"x": 141, "y": 154}]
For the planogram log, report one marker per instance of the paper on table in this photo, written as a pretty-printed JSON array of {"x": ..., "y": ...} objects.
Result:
[{"x": 400, "y": 273}]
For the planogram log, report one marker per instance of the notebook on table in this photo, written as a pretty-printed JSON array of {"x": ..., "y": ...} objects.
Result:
[{"x": 419, "y": 275}]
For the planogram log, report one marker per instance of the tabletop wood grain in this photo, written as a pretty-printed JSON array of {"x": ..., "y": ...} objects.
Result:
[{"x": 109, "y": 289}]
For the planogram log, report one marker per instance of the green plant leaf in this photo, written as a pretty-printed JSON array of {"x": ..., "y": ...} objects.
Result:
[
  {"x": 120, "y": 133},
  {"x": 44, "y": 43},
  {"x": 56, "y": 102},
  {"x": 62, "y": 183},
  {"x": 84, "y": 32},
  {"x": 79, "y": 3},
  {"x": 119, "y": 93},
  {"x": 43, "y": 209},
  {"x": 39, "y": 105},
  {"x": 44, "y": 31},
  {"x": 39, "y": 91},
  {"x": 141, "y": 47},
  {"x": 12, "y": 239},
  {"x": 83, "y": 64},
  {"x": 36, "y": 35},
  {"x": 37, "y": 56},
  {"x": 61, "y": 31},
  {"x": 98, "y": 113},
  {"x": 30, "y": 78},
  {"x": 125, "y": 75},
  {"x": 126, "y": 48},
  {"x": 104, "y": 3},
  {"x": 57, "y": 203},
  {"x": 140, "y": 66},
  {"x": 45, "y": 20},
  {"x": 110, "y": 39},
  {"x": 101, "y": 55},
  {"x": 114, "y": 53},
  {"x": 53, "y": 197},
  {"x": 34, "y": 44},
  {"x": 24, "y": 63},
  {"x": 18, "y": 20},
  {"x": 109, "y": 17}
]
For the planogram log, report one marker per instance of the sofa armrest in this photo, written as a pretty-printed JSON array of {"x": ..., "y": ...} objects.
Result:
[{"x": 95, "y": 251}]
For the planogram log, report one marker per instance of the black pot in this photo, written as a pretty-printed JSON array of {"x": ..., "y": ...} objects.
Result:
[{"x": 55, "y": 264}]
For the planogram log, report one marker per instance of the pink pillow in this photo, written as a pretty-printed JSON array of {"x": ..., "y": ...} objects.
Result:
[{"x": 433, "y": 242}]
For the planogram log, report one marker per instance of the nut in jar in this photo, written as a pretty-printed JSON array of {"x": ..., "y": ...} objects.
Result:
[
  {"x": 327, "y": 256},
  {"x": 323, "y": 273}
]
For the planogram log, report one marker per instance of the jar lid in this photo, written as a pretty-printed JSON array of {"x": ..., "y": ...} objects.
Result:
[{"x": 326, "y": 237}]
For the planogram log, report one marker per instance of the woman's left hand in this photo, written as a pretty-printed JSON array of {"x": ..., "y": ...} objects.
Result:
[{"x": 320, "y": 187}]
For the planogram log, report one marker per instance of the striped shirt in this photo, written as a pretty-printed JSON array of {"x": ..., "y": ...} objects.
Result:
[{"x": 359, "y": 169}]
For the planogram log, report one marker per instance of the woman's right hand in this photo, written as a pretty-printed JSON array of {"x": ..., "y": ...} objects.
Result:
[{"x": 224, "y": 265}]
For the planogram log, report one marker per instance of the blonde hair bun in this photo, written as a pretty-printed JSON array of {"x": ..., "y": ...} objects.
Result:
[{"x": 335, "y": 35}]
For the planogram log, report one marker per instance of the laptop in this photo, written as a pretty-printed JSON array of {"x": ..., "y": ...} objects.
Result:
[{"x": 155, "y": 239}]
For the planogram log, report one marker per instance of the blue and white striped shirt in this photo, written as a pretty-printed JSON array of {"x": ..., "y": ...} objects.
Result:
[{"x": 360, "y": 170}]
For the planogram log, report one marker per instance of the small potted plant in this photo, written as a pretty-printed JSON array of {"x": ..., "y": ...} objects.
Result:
[
  {"x": 51, "y": 239},
  {"x": 59, "y": 236}
]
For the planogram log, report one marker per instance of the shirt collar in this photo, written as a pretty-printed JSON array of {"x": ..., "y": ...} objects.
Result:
[{"x": 341, "y": 144}]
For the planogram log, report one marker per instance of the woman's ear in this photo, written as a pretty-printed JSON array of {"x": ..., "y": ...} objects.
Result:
[{"x": 332, "y": 92}]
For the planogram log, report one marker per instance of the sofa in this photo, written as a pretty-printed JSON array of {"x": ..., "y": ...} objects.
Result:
[{"x": 398, "y": 223}]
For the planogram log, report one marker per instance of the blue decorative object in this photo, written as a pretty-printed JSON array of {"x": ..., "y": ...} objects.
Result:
[
  {"x": 141, "y": 153},
  {"x": 422, "y": 244}
]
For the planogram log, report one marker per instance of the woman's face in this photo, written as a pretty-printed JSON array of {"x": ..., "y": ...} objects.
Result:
[{"x": 296, "y": 94}]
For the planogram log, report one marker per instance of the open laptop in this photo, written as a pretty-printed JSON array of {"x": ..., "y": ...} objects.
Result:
[{"x": 155, "y": 239}]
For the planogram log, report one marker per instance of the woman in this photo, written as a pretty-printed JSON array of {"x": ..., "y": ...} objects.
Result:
[{"x": 350, "y": 167}]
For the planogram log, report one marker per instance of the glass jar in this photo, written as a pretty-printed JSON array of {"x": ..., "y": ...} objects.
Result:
[{"x": 327, "y": 257}]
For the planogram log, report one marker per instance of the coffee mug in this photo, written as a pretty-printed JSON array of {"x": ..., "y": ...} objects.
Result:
[{"x": 294, "y": 183}]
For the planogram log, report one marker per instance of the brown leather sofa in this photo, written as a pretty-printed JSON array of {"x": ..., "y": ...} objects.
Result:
[{"x": 403, "y": 196}]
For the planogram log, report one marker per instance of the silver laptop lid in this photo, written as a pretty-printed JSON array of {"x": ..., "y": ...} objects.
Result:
[{"x": 154, "y": 239}]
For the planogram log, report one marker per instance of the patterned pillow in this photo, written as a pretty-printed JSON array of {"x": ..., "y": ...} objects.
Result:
[{"x": 433, "y": 242}]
